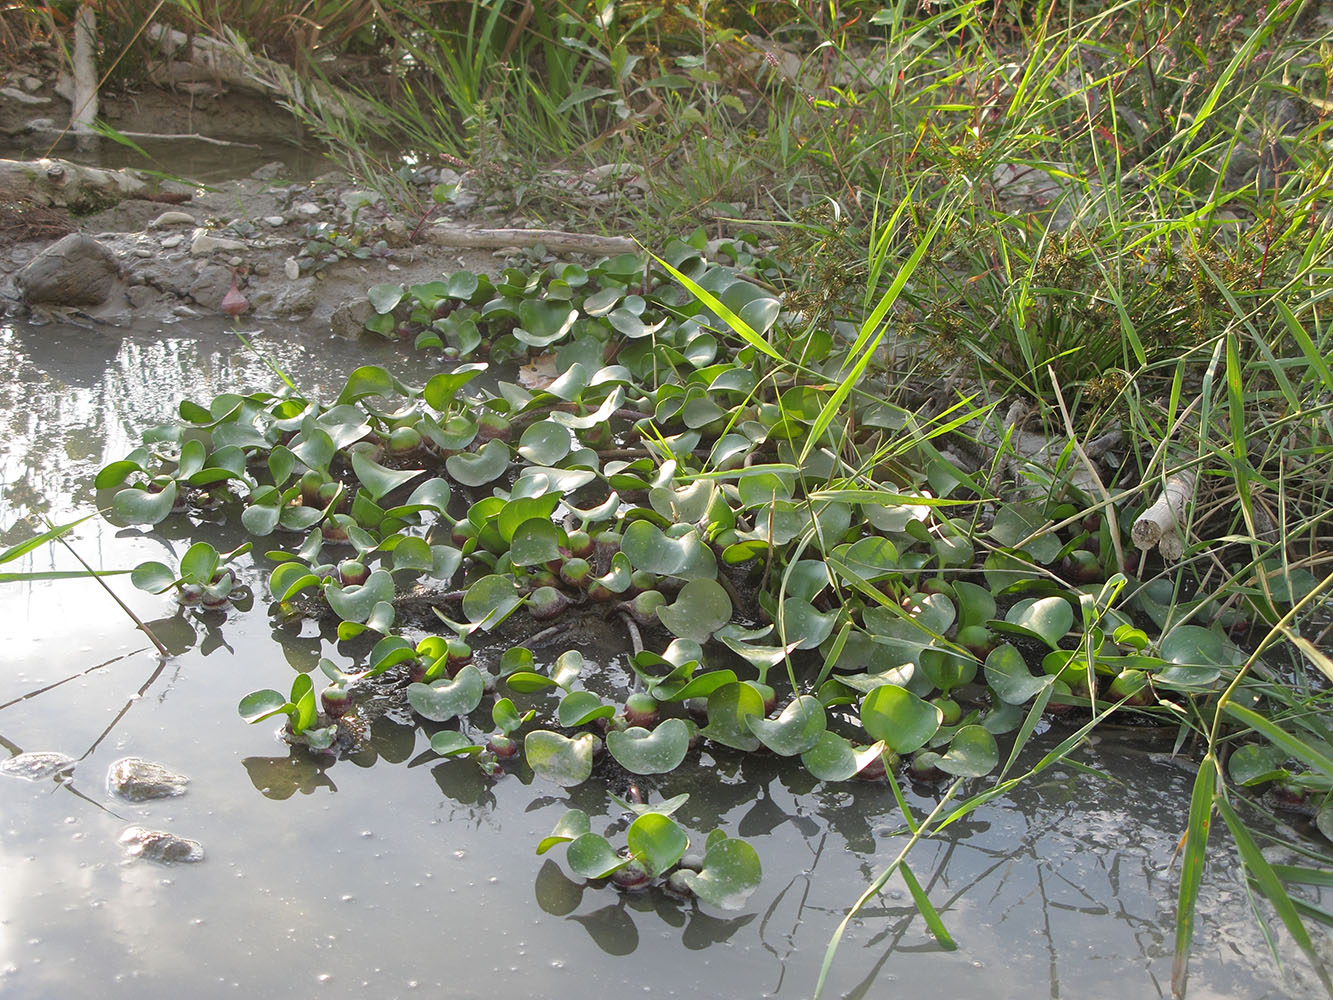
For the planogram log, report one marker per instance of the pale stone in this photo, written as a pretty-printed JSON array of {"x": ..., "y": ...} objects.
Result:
[
  {"x": 174, "y": 218},
  {"x": 205, "y": 243}
]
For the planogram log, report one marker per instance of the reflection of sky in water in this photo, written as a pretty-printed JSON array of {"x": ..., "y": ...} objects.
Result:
[{"x": 394, "y": 872}]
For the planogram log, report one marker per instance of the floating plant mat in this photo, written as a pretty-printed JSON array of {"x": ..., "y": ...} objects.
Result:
[{"x": 784, "y": 576}]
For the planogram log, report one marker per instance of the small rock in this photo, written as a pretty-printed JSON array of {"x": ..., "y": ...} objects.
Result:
[
  {"x": 260, "y": 270},
  {"x": 37, "y": 764},
  {"x": 210, "y": 285},
  {"x": 171, "y": 242},
  {"x": 291, "y": 268},
  {"x": 142, "y": 253},
  {"x": 138, "y": 780},
  {"x": 141, "y": 296},
  {"x": 268, "y": 171},
  {"x": 274, "y": 220},
  {"x": 235, "y": 261},
  {"x": 296, "y": 299},
  {"x": 31, "y": 84},
  {"x": 205, "y": 243},
  {"x": 174, "y": 218},
  {"x": 158, "y": 845},
  {"x": 74, "y": 271},
  {"x": 349, "y": 319},
  {"x": 307, "y": 208},
  {"x": 40, "y": 125},
  {"x": 185, "y": 312}
]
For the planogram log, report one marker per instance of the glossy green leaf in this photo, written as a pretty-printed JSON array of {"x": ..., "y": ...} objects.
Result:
[
  {"x": 730, "y": 873},
  {"x": 447, "y": 699},
  {"x": 701, "y": 607},
  {"x": 730, "y": 707},
  {"x": 659, "y": 751},
  {"x": 1008, "y": 675},
  {"x": 260, "y": 705},
  {"x": 592, "y": 856},
  {"x": 578, "y": 708},
  {"x": 378, "y": 480},
  {"x": 902, "y": 720},
  {"x": 657, "y": 841},
  {"x": 833, "y": 758},
  {"x": 491, "y": 600},
  {"x": 557, "y": 758},
  {"x": 137, "y": 506},
  {"x": 572, "y": 825},
  {"x": 450, "y": 743},
  {"x": 486, "y": 464},
  {"x": 153, "y": 577},
  {"x": 796, "y": 730},
  {"x": 354, "y": 604}
]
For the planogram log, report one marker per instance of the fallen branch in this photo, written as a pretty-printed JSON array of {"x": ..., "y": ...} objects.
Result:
[
  {"x": 1162, "y": 524},
  {"x": 465, "y": 238},
  {"x": 61, "y": 184},
  {"x": 190, "y": 136}
]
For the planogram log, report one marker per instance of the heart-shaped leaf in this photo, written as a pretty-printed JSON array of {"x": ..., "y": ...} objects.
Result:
[
  {"x": 447, "y": 699},
  {"x": 260, "y": 705},
  {"x": 592, "y": 856},
  {"x": 640, "y": 751},
  {"x": 578, "y": 708},
  {"x": 731, "y": 872},
  {"x": 545, "y": 442},
  {"x": 491, "y": 600},
  {"x": 730, "y": 708},
  {"x": 378, "y": 480},
  {"x": 657, "y": 841},
  {"x": 833, "y": 758},
  {"x": 136, "y": 506},
  {"x": 153, "y": 577},
  {"x": 355, "y": 604},
  {"x": 902, "y": 720},
  {"x": 972, "y": 753},
  {"x": 477, "y": 468},
  {"x": 1008, "y": 676},
  {"x": 557, "y": 758},
  {"x": 701, "y": 607},
  {"x": 572, "y": 825},
  {"x": 1044, "y": 618},
  {"x": 450, "y": 743},
  {"x": 796, "y": 730}
]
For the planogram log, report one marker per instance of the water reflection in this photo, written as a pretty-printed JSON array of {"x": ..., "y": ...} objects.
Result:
[{"x": 280, "y": 778}]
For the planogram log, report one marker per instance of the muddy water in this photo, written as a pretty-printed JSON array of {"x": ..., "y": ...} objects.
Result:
[{"x": 397, "y": 874}]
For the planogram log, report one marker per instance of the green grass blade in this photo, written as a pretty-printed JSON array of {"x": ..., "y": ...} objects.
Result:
[
  {"x": 1191, "y": 869},
  {"x": 738, "y": 325},
  {"x": 37, "y": 541},
  {"x": 1307, "y": 346},
  {"x": 1293, "y": 745},
  {"x": 1269, "y": 883},
  {"x": 927, "y": 910}
]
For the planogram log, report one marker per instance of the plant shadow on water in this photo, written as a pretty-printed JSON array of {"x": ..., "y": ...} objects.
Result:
[{"x": 1063, "y": 886}]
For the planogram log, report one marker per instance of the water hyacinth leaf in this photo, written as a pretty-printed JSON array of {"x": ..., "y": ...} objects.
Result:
[
  {"x": 578, "y": 708},
  {"x": 528, "y": 681},
  {"x": 649, "y": 549},
  {"x": 289, "y": 579},
  {"x": 449, "y": 743},
  {"x": 545, "y": 442},
  {"x": 314, "y": 448},
  {"x": 1015, "y": 522},
  {"x": 796, "y": 730},
  {"x": 902, "y": 720},
  {"x": 442, "y": 389},
  {"x": 491, "y": 600},
  {"x": 433, "y": 493},
  {"x": 369, "y": 380},
  {"x": 641, "y": 751},
  {"x": 833, "y": 758},
  {"x": 1045, "y": 618},
  {"x": 354, "y": 604},
  {"x": 413, "y": 553},
  {"x": 566, "y": 668},
  {"x": 680, "y": 689},
  {"x": 543, "y": 323},
  {"x": 515, "y": 658},
  {"x": 1008, "y": 676},
  {"x": 701, "y": 608},
  {"x": 199, "y": 563},
  {"x": 730, "y": 707},
  {"x": 567, "y": 762},
  {"x": 260, "y": 705},
  {"x": 657, "y": 841},
  {"x": 191, "y": 460},
  {"x": 731, "y": 872},
  {"x": 803, "y": 625},
  {"x": 868, "y": 559},
  {"x": 686, "y": 504},
  {"x": 946, "y": 669},
  {"x": 522, "y": 508},
  {"x": 384, "y": 298},
  {"x": 976, "y": 604},
  {"x": 153, "y": 577},
  {"x": 116, "y": 473},
  {"x": 281, "y": 464},
  {"x": 537, "y": 541},
  {"x": 303, "y": 698},
  {"x": 592, "y": 856},
  {"x": 972, "y": 753},
  {"x": 137, "y": 506},
  {"x": 1193, "y": 645},
  {"x": 445, "y": 698},
  {"x": 1255, "y": 763},
  {"x": 379, "y": 481},
  {"x": 572, "y": 825},
  {"x": 477, "y": 468}
]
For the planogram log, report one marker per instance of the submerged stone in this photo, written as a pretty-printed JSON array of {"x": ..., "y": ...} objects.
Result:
[
  {"x": 139, "y": 780},
  {"x": 73, "y": 271},
  {"x": 158, "y": 845},
  {"x": 36, "y": 765}
]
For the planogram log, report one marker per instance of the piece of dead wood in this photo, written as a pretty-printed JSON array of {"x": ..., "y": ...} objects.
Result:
[
  {"x": 1163, "y": 524},
  {"x": 228, "y": 60},
  {"x": 61, "y": 184},
  {"x": 466, "y": 238},
  {"x": 191, "y": 137}
]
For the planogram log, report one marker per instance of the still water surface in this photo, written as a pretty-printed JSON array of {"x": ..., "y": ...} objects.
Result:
[{"x": 396, "y": 874}]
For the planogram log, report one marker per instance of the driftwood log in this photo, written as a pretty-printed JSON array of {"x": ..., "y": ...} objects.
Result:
[{"x": 61, "y": 184}]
